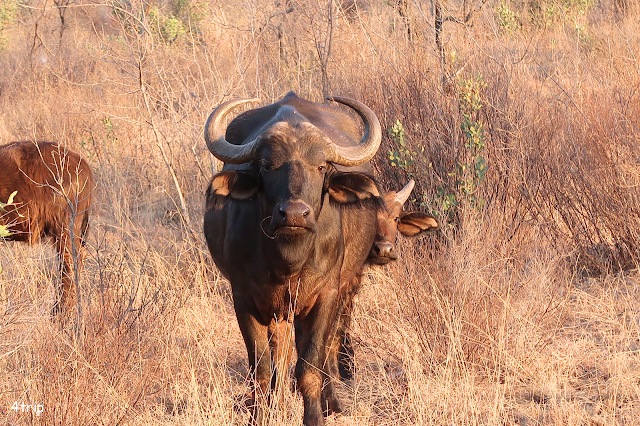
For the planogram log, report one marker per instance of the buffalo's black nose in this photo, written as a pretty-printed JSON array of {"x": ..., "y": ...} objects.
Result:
[
  {"x": 294, "y": 213},
  {"x": 384, "y": 249}
]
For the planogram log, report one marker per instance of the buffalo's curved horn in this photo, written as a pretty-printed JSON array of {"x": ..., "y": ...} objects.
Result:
[
  {"x": 403, "y": 194},
  {"x": 214, "y": 135},
  {"x": 368, "y": 146}
]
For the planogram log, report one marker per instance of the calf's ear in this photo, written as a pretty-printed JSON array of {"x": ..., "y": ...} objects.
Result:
[
  {"x": 347, "y": 188},
  {"x": 413, "y": 223},
  {"x": 233, "y": 184}
]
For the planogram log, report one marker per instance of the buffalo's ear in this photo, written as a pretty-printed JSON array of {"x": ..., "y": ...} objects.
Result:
[
  {"x": 347, "y": 188},
  {"x": 413, "y": 223},
  {"x": 233, "y": 184}
]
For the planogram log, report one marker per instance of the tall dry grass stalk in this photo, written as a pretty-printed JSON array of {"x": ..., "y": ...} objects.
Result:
[{"x": 522, "y": 310}]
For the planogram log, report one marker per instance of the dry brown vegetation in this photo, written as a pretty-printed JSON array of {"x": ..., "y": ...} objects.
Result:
[{"x": 523, "y": 310}]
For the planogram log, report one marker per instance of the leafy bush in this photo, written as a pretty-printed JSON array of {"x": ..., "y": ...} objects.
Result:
[
  {"x": 401, "y": 156},
  {"x": 548, "y": 13},
  {"x": 471, "y": 170},
  {"x": 507, "y": 18},
  {"x": 8, "y": 12}
]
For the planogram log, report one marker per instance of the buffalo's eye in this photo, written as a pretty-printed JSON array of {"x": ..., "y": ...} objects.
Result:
[
  {"x": 396, "y": 219},
  {"x": 265, "y": 166},
  {"x": 322, "y": 169}
]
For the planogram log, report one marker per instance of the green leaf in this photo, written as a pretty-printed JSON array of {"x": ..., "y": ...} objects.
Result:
[
  {"x": 4, "y": 231},
  {"x": 10, "y": 200}
]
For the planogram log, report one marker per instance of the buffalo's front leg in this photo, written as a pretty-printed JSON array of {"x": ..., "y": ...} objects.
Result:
[
  {"x": 256, "y": 340},
  {"x": 314, "y": 334},
  {"x": 282, "y": 347}
]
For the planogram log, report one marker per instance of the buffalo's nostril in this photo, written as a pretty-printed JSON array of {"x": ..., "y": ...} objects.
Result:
[
  {"x": 294, "y": 213},
  {"x": 385, "y": 249}
]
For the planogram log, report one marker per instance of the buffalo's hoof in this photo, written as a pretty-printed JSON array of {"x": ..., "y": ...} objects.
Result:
[{"x": 332, "y": 406}]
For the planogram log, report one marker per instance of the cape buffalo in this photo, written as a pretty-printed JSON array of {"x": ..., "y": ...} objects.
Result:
[
  {"x": 52, "y": 188},
  {"x": 290, "y": 231}
]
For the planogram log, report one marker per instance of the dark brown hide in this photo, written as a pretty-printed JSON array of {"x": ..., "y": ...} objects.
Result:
[
  {"x": 53, "y": 197},
  {"x": 290, "y": 232}
]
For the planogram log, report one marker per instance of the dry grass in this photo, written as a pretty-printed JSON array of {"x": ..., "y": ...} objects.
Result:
[{"x": 523, "y": 310}]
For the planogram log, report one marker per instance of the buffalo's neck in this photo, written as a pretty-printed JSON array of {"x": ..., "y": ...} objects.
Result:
[
  {"x": 310, "y": 256},
  {"x": 287, "y": 257}
]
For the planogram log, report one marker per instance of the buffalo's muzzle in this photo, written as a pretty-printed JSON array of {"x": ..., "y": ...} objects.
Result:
[
  {"x": 383, "y": 252},
  {"x": 293, "y": 215}
]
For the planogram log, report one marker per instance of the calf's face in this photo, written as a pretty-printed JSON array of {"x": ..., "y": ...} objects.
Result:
[{"x": 393, "y": 220}]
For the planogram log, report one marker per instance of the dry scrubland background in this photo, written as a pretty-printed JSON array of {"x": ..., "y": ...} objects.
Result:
[{"x": 521, "y": 126}]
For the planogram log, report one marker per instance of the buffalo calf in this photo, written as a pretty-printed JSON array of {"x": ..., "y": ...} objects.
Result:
[{"x": 391, "y": 220}]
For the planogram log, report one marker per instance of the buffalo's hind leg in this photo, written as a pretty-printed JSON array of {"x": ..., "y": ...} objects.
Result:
[
  {"x": 344, "y": 352},
  {"x": 340, "y": 356},
  {"x": 71, "y": 247},
  {"x": 71, "y": 259},
  {"x": 330, "y": 402}
]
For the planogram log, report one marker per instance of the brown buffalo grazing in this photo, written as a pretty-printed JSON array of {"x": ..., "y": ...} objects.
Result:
[
  {"x": 52, "y": 188},
  {"x": 390, "y": 220},
  {"x": 290, "y": 231}
]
